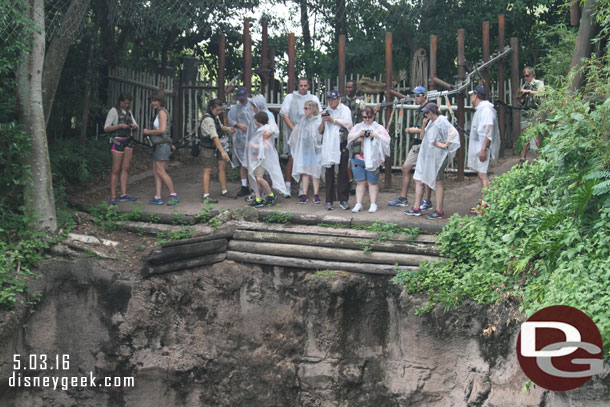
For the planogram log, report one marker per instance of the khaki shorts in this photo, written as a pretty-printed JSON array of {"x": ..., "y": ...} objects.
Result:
[
  {"x": 412, "y": 155},
  {"x": 210, "y": 158},
  {"x": 259, "y": 171}
]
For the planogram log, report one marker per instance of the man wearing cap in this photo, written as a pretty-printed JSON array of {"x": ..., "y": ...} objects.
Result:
[
  {"x": 335, "y": 125},
  {"x": 484, "y": 141},
  {"x": 292, "y": 111},
  {"x": 240, "y": 116},
  {"x": 419, "y": 93}
]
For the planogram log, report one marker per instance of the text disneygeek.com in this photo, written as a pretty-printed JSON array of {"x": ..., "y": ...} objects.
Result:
[{"x": 66, "y": 382}]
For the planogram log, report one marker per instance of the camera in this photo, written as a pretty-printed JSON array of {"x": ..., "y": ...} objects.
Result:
[
  {"x": 325, "y": 114},
  {"x": 367, "y": 133}
]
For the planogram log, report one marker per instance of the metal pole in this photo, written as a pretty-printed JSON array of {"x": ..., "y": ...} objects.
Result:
[
  {"x": 514, "y": 80},
  {"x": 388, "y": 97},
  {"x": 342, "y": 64},
  {"x": 460, "y": 103}
]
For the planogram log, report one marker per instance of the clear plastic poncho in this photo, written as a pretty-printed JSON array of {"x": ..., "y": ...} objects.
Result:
[
  {"x": 306, "y": 148},
  {"x": 240, "y": 113},
  {"x": 431, "y": 158},
  {"x": 331, "y": 138},
  {"x": 261, "y": 151},
  {"x": 484, "y": 124},
  {"x": 292, "y": 106},
  {"x": 374, "y": 150}
]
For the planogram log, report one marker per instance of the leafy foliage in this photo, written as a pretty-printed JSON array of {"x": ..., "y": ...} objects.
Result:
[{"x": 546, "y": 237}]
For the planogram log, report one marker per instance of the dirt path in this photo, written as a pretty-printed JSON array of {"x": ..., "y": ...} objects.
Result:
[{"x": 186, "y": 174}]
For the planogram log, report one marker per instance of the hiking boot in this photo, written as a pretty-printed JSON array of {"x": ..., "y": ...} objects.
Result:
[
  {"x": 126, "y": 197},
  {"x": 436, "y": 215},
  {"x": 303, "y": 199},
  {"x": 173, "y": 200},
  {"x": 243, "y": 191},
  {"x": 413, "y": 212},
  {"x": 425, "y": 205},
  {"x": 329, "y": 206},
  {"x": 373, "y": 208},
  {"x": 225, "y": 194},
  {"x": 156, "y": 201},
  {"x": 399, "y": 201},
  {"x": 316, "y": 199},
  {"x": 270, "y": 201},
  {"x": 357, "y": 208},
  {"x": 344, "y": 205},
  {"x": 112, "y": 201},
  {"x": 258, "y": 203},
  {"x": 209, "y": 199}
]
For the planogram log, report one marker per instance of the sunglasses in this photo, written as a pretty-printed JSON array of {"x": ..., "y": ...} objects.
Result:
[
  {"x": 367, "y": 117},
  {"x": 526, "y": 76},
  {"x": 307, "y": 108}
]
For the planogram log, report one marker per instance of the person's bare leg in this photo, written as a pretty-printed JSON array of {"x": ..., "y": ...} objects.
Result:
[
  {"x": 264, "y": 184},
  {"x": 484, "y": 180},
  {"x": 316, "y": 185},
  {"x": 117, "y": 160},
  {"x": 440, "y": 195},
  {"x": 222, "y": 174},
  {"x": 125, "y": 168},
  {"x": 165, "y": 177},
  {"x": 205, "y": 180},
  {"x": 373, "y": 193},
  {"x": 406, "y": 179},
  {"x": 419, "y": 192},
  {"x": 360, "y": 189},
  {"x": 288, "y": 176},
  {"x": 305, "y": 183}
]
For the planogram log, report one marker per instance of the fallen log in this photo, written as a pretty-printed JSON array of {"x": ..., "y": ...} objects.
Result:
[
  {"x": 156, "y": 228},
  {"x": 328, "y": 231},
  {"x": 223, "y": 232},
  {"x": 163, "y": 255},
  {"x": 290, "y": 237},
  {"x": 311, "y": 264},
  {"x": 150, "y": 270},
  {"x": 325, "y": 253}
]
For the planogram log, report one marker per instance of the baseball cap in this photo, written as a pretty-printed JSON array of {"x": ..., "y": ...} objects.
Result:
[
  {"x": 242, "y": 93},
  {"x": 430, "y": 107},
  {"x": 479, "y": 91},
  {"x": 419, "y": 90},
  {"x": 333, "y": 94}
]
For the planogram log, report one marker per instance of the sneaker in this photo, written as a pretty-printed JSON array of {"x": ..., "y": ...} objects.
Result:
[
  {"x": 399, "y": 201},
  {"x": 413, "y": 212},
  {"x": 270, "y": 201},
  {"x": 156, "y": 201},
  {"x": 250, "y": 197},
  {"x": 126, "y": 197},
  {"x": 303, "y": 199},
  {"x": 316, "y": 199},
  {"x": 425, "y": 205},
  {"x": 357, "y": 208},
  {"x": 344, "y": 205},
  {"x": 243, "y": 191},
  {"x": 329, "y": 206},
  {"x": 225, "y": 194},
  {"x": 209, "y": 199},
  {"x": 373, "y": 208},
  {"x": 112, "y": 201},
  {"x": 436, "y": 215},
  {"x": 173, "y": 200},
  {"x": 258, "y": 203}
]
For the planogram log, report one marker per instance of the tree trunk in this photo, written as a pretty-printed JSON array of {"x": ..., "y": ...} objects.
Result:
[
  {"x": 305, "y": 25},
  {"x": 39, "y": 193},
  {"x": 582, "y": 49},
  {"x": 58, "y": 51},
  {"x": 87, "y": 90}
]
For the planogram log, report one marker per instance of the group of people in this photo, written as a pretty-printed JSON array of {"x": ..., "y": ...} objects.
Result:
[{"x": 338, "y": 144}]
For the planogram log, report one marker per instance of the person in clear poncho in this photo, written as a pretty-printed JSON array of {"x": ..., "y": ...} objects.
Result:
[
  {"x": 440, "y": 143},
  {"x": 240, "y": 116},
  {"x": 262, "y": 155},
  {"x": 306, "y": 147},
  {"x": 369, "y": 143}
]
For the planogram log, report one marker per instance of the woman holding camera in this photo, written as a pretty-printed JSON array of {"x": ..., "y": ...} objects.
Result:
[
  {"x": 369, "y": 143},
  {"x": 306, "y": 147}
]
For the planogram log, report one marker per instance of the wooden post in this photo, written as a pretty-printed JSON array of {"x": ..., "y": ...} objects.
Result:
[
  {"x": 222, "y": 41},
  {"x": 247, "y": 57},
  {"x": 342, "y": 64},
  {"x": 514, "y": 81},
  {"x": 291, "y": 58},
  {"x": 264, "y": 57},
  {"x": 501, "y": 108},
  {"x": 460, "y": 103},
  {"x": 486, "y": 58},
  {"x": 388, "y": 98},
  {"x": 575, "y": 13},
  {"x": 433, "y": 50},
  {"x": 272, "y": 88}
]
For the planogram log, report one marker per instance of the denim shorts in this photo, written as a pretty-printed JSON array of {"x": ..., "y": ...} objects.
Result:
[{"x": 360, "y": 174}]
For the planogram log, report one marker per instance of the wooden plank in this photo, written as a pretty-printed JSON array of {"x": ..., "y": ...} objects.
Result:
[
  {"x": 149, "y": 270},
  {"x": 321, "y": 230},
  {"x": 311, "y": 264},
  {"x": 340, "y": 242},
  {"x": 325, "y": 253}
]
